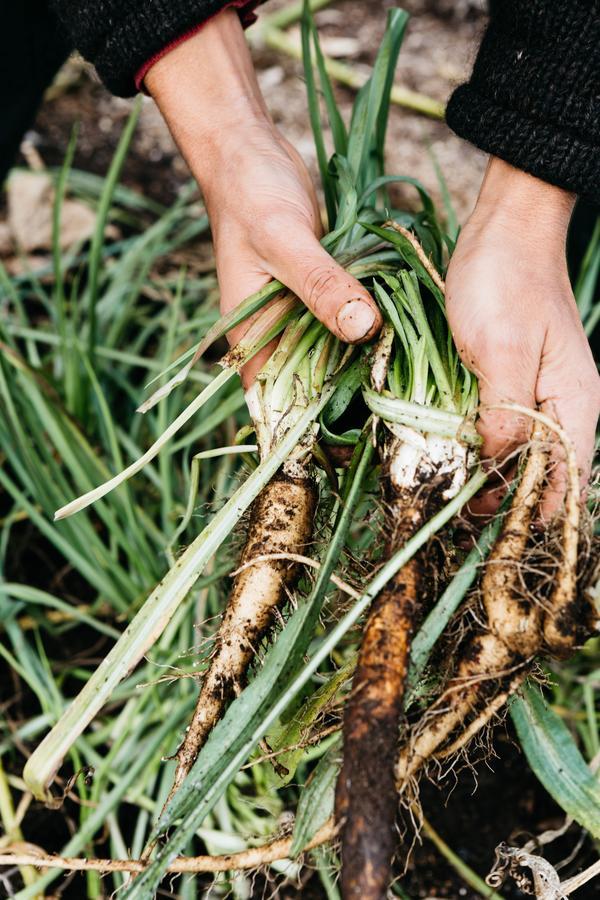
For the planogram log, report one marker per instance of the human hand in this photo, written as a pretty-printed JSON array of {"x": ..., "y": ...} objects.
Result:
[
  {"x": 261, "y": 203},
  {"x": 516, "y": 326}
]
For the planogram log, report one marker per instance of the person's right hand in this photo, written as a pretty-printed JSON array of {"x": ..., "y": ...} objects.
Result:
[{"x": 261, "y": 203}]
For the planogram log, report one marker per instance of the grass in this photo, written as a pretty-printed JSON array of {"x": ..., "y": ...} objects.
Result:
[{"x": 61, "y": 431}]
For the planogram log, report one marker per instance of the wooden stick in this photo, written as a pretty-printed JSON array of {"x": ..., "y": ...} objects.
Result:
[{"x": 252, "y": 858}]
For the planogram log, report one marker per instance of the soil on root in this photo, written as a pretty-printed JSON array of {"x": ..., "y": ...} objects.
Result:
[{"x": 365, "y": 792}]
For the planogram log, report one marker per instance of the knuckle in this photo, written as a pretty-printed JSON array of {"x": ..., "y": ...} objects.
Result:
[{"x": 319, "y": 282}]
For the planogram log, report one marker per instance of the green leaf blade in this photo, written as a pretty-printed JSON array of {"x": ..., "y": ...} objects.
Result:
[{"x": 555, "y": 758}]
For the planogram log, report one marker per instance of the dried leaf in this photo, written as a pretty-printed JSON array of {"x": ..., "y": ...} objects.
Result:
[{"x": 30, "y": 203}]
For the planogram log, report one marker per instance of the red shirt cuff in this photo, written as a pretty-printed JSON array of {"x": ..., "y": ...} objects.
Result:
[{"x": 247, "y": 15}]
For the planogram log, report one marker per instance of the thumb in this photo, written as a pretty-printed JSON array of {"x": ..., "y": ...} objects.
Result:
[
  {"x": 239, "y": 277},
  {"x": 334, "y": 296}
]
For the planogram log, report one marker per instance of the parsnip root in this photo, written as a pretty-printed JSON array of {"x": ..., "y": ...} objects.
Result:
[
  {"x": 514, "y": 636},
  {"x": 365, "y": 797},
  {"x": 564, "y": 613},
  {"x": 420, "y": 472},
  {"x": 281, "y": 521}
]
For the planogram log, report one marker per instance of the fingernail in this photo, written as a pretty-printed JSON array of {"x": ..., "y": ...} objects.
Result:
[{"x": 355, "y": 320}]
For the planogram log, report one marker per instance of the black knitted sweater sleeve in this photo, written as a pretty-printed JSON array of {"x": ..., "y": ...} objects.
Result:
[
  {"x": 534, "y": 95},
  {"x": 120, "y": 36}
]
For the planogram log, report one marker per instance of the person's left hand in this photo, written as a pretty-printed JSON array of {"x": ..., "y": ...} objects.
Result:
[{"x": 516, "y": 324}]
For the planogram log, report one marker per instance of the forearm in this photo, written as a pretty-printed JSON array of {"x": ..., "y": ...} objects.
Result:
[
  {"x": 208, "y": 114},
  {"x": 537, "y": 210}
]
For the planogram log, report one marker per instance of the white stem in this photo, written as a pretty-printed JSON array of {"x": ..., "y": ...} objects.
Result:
[{"x": 422, "y": 417}]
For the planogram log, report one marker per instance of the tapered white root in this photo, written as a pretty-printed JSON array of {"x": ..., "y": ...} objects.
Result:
[
  {"x": 513, "y": 638},
  {"x": 484, "y": 718},
  {"x": 563, "y": 614},
  {"x": 281, "y": 522},
  {"x": 514, "y": 620},
  {"x": 485, "y": 663}
]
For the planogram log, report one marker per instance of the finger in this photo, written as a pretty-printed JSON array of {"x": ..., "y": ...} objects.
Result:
[
  {"x": 577, "y": 413},
  {"x": 334, "y": 296},
  {"x": 482, "y": 509},
  {"x": 556, "y": 484},
  {"x": 487, "y": 502},
  {"x": 504, "y": 381},
  {"x": 237, "y": 283},
  {"x": 249, "y": 372}
]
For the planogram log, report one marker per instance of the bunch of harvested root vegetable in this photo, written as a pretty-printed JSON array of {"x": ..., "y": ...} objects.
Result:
[{"x": 418, "y": 404}]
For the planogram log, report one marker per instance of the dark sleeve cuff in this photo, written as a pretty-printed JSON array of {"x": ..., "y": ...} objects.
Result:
[
  {"x": 120, "y": 36},
  {"x": 534, "y": 95},
  {"x": 554, "y": 155}
]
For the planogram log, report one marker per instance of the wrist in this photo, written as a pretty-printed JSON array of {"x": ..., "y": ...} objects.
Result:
[
  {"x": 207, "y": 91},
  {"x": 511, "y": 197}
]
